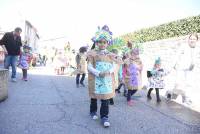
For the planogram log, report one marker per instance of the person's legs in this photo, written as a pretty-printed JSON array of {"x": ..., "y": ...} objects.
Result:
[
  {"x": 149, "y": 93},
  {"x": 120, "y": 85},
  {"x": 125, "y": 90},
  {"x": 77, "y": 80},
  {"x": 62, "y": 70},
  {"x": 111, "y": 101},
  {"x": 41, "y": 62},
  {"x": 133, "y": 92},
  {"x": 13, "y": 64},
  {"x": 169, "y": 96},
  {"x": 93, "y": 105},
  {"x": 157, "y": 95},
  {"x": 44, "y": 62},
  {"x": 24, "y": 71},
  {"x": 129, "y": 101},
  {"x": 104, "y": 111},
  {"x": 118, "y": 88},
  {"x": 129, "y": 95},
  {"x": 82, "y": 79},
  {"x": 93, "y": 108},
  {"x": 23, "y": 74}
]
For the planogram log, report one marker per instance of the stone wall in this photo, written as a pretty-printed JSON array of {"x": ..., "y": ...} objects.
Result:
[{"x": 167, "y": 49}]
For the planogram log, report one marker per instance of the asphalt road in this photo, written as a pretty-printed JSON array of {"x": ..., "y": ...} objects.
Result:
[{"x": 49, "y": 104}]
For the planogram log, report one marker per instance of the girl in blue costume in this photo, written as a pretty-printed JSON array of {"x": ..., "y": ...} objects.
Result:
[{"x": 101, "y": 81}]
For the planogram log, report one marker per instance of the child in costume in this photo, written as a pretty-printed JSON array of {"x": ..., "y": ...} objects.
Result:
[
  {"x": 81, "y": 66},
  {"x": 101, "y": 75},
  {"x": 122, "y": 74},
  {"x": 134, "y": 68},
  {"x": 60, "y": 63},
  {"x": 111, "y": 101},
  {"x": 156, "y": 79},
  {"x": 24, "y": 61}
]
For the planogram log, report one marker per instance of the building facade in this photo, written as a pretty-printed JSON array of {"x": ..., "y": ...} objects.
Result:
[{"x": 30, "y": 36}]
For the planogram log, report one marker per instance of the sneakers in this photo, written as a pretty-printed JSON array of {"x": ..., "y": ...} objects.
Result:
[
  {"x": 77, "y": 85},
  {"x": 149, "y": 97},
  {"x": 82, "y": 84},
  {"x": 158, "y": 100},
  {"x": 14, "y": 80},
  {"x": 105, "y": 122},
  {"x": 94, "y": 116},
  {"x": 130, "y": 103}
]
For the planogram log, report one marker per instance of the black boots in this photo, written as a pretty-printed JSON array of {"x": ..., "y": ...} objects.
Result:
[
  {"x": 157, "y": 94},
  {"x": 149, "y": 94}
]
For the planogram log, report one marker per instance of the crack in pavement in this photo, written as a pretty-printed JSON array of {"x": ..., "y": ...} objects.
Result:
[
  {"x": 83, "y": 126},
  {"x": 68, "y": 104}
]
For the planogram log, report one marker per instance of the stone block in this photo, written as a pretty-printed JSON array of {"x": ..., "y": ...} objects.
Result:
[{"x": 3, "y": 84}]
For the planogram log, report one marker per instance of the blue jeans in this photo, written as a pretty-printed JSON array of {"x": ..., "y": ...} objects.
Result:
[{"x": 11, "y": 60}]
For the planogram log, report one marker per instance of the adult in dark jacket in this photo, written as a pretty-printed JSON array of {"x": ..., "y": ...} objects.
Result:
[{"x": 11, "y": 43}]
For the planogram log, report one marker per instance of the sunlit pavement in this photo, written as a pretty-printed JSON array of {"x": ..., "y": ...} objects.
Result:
[{"x": 51, "y": 104}]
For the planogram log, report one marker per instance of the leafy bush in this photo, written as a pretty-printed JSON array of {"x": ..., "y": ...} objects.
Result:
[{"x": 173, "y": 29}]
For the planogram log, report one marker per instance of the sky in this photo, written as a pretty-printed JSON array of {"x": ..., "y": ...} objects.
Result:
[{"x": 77, "y": 20}]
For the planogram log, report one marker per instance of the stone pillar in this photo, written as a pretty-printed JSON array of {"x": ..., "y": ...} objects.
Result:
[{"x": 3, "y": 84}]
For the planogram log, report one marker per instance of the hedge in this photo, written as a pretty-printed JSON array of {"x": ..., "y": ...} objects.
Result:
[{"x": 173, "y": 29}]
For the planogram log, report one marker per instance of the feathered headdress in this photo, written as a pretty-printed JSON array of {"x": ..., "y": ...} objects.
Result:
[
  {"x": 158, "y": 61},
  {"x": 103, "y": 33}
]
